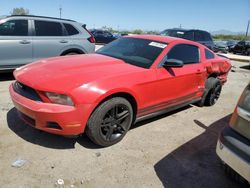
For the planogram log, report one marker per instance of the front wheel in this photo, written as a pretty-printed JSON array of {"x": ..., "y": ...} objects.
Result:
[{"x": 110, "y": 121}]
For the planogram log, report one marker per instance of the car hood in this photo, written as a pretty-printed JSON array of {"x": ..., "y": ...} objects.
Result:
[{"x": 65, "y": 73}]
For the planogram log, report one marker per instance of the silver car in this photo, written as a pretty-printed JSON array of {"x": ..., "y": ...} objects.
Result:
[
  {"x": 233, "y": 146},
  {"x": 24, "y": 39}
]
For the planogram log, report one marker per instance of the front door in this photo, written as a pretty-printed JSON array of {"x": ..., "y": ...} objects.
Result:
[{"x": 178, "y": 85}]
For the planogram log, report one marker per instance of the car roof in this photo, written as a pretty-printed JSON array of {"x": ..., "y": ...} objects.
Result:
[
  {"x": 159, "y": 38},
  {"x": 184, "y": 30},
  {"x": 3, "y": 16},
  {"x": 44, "y": 17},
  {"x": 177, "y": 29},
  {"x": 98, "y": 30}
]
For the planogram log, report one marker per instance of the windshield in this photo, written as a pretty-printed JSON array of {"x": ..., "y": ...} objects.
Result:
[{"x": 138, "y": 52}]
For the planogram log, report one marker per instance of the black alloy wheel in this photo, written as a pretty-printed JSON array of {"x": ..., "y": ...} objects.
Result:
[
  {"x": 115, "y": 122},
  {"x": 215, "y": 93},
  {"x": 110, "y": 121}
]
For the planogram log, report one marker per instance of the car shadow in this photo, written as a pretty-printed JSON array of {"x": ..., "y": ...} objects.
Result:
[
  {"x": 246, "y": 67},
  {"x": 195, "y": 163},
  {"x": 35, "y": 136},
  {"x": 146, "y": 121},
  {"x": 32, "y": 135},
  {"x": 6, "y": 76}
]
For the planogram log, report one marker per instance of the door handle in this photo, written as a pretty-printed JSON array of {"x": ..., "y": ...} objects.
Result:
[
  {"x": 24, "y": 42},
  {"x": 63, "y": 41}
]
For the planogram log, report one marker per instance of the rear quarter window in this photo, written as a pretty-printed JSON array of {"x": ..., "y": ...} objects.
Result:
[
  {"x": 208, "y": 54},
  {"x": 71, "y": 30}
]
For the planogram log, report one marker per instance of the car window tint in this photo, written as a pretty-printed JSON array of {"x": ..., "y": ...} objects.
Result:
[
  {"x": 207, "y": 36},
  {"x": 187, "y": 53},
  {"x": 241, "y": 43},
  {"x": 71, "y": 29},
  {"x": 173, "y": 33},
  {"x": 45, "y": 28},
  {"x": 138, "y": 52},
  {"x": 208, "y": 54},
  {"x": 107, "y": 34},
  {"x": 198, "y": 36},
  {"x": 14, "y": 28},
  {"x": 99, "y": 32},
  {"x": 189, "y": 35}
]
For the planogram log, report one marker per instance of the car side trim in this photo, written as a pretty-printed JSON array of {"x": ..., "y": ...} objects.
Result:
[
  {"x": 165, "y": 110},
  {"x": 165, "y": 104}
]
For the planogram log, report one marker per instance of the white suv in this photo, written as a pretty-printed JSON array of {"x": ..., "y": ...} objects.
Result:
[{"x": 24, "y": 39}]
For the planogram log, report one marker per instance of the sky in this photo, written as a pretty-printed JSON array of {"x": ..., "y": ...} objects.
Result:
[{"x": 210, "y": 15}]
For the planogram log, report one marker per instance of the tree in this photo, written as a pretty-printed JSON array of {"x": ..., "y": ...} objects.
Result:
[
  {"x": 19, "y": 11},
  {"x": 138, "y": 31}
]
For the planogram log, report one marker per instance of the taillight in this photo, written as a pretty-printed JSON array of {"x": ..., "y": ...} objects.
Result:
[{"x": 91, "y": 38}]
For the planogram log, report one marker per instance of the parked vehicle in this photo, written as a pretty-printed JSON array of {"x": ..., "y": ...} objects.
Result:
[
  {"x": 24, "y": 39},
  {"x": 231, "y": 44},
  {"x": 242, "y": 47},
  {"x": 233, "y": 146},
  {"x": 128, "y": 80},
  {"x": 220, "y": 46},
  {"x": 103, "y": 37},
  {"x": 200, "y": 36}
]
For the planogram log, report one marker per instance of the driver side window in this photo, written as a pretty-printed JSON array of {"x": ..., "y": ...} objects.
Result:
[{"x": 187, "y": 53}]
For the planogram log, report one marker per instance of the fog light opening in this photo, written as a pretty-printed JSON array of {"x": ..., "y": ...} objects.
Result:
[{"x": 53, "y": 125}]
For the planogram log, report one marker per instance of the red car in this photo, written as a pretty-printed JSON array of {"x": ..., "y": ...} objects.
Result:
[{"x": 128, "y": 80}]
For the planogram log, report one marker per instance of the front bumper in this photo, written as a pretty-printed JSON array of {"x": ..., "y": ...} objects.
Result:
[
  {"x": 234, "y": 150},
  {"x": 52, "y": 118}
]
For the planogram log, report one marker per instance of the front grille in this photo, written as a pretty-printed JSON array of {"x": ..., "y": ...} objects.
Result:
[{"x": 26, "y": 91}]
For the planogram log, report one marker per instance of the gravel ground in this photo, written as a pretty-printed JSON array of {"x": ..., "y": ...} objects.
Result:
[{"x": 173, "y": 150}]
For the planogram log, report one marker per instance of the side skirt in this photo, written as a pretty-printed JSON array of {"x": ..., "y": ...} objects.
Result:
[{"x": 166, "y": 110}]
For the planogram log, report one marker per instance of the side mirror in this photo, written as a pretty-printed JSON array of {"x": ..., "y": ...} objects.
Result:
[{"x": 173, "y": 63}]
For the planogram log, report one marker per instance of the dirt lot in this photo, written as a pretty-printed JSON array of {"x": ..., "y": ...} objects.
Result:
[{"x": 173, "y": 150}]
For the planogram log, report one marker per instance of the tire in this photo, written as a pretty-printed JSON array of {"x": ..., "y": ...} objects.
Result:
[
  {"x": 214, "y": 89},
  {"x": 110, "y": 122},
  {"x": 248, "y": 52},
  {"x": 233, "y": 175},
  {"x": 72, "y": 53}
]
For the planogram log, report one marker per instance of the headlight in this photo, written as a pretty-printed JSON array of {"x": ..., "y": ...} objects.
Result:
[{"x": 59, "y": 98}]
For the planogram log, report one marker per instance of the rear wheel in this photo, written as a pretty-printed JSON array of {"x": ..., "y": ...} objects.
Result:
[
  {"x": 110, "y": 121},
  {"x": 234, "y": 175},
  {"x": 212, "y": 92},
  {"x": 248, "y": 52},
  {"x": 213, "y": 95}
]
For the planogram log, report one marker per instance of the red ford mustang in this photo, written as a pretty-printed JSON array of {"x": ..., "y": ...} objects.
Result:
[{"x": 126, "y": 81}]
